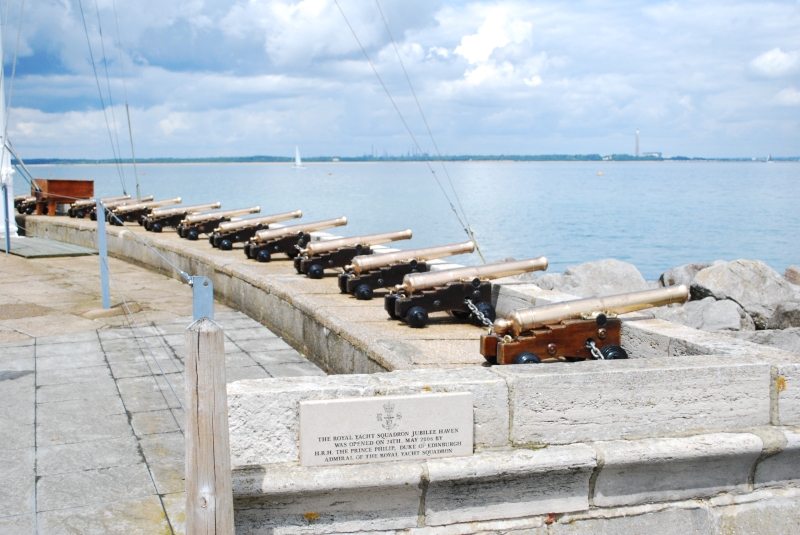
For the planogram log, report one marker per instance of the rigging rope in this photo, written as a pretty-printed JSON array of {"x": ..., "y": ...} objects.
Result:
[
  {"x": 13, "y": 74},
  {"x": 100, "y": 92},
  {"x": 425, "y": 120}
]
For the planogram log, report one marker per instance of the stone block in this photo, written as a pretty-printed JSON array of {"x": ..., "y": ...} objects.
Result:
[
  {"x": 661, "y": 521},
  {"x": 786, "y": 315},
  {"x": 329, "y": 499},
  {"x": 783, "y": 467},
  {"x": 792, "y": 274},
  {"x": 769, "y": 515},
  {"x": 786, "y": 391},
  {"x": 489, "y": 394},
  {"x": 498, "y": 485},
  {"x": 609, "y": 400},
  {"x": 263, "y": 414},
  {"x": 668, "y": 469}
]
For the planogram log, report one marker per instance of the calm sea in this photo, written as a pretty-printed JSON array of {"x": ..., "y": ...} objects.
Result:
[{"x": 656, "y": 215}]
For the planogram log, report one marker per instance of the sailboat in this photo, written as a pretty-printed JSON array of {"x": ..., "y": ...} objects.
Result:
[
  {"x": 769, "y": 158},
  {"x": 297, "y": 163}
]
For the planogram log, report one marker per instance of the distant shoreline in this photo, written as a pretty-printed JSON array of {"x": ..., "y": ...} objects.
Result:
[{"x": 399, "y": 159}]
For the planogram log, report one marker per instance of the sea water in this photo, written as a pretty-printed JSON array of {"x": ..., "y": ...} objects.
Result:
[{"x": 655, "y": 215}]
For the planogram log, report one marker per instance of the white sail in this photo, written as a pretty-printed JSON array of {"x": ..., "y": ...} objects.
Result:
[
  {"x": 297, "y": 163},
  {"x": 6, "y": 171}
]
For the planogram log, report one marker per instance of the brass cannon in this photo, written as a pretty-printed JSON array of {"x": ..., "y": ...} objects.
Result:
[
  {"x": 110, "y": 205},
  {"x": 232, "y": 232},
  {"x": 320, "y": 255},
  {"x": 582, "y": 329},
  {"x": 465, "y": 292},
  {"x": 137, "y": 211},
  {"x": 82, "y": 207},
  {"x": 25, "y": 204},
  {"x": 159, "y": 218},
  {"x": 195, "y": 224},
  {"x": 288, "y": 240},
  {"x": 388, "y": 269}
]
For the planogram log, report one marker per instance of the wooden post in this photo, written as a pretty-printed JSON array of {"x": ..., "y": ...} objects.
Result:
[{"x": 209, "y": 493}]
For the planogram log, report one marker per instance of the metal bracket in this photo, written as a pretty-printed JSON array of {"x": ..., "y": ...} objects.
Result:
[{"x": 203, "y": 298}]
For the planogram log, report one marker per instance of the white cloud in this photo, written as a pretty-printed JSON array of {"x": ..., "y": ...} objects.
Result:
[
  {"x": 788, "y": 97},
  {"x": 776, "y": 63}
]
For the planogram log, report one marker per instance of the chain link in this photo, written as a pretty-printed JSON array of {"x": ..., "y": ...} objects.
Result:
[
  {"x": 590, "y": 345},
  {"x": 478, "y": 314}
]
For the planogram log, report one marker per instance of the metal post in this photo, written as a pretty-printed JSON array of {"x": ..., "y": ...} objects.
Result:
[
  {"x": 202, "y": 298},
  {"x": 103, "y": 250},
  {"x": 8, "y": 226}
]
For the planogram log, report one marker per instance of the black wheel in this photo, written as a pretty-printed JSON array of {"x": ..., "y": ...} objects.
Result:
[
  {"x": 93, "y": 216},
  {"x": 363, "y": 292},
  {"x": 460, "y": 314},
  {"x": 315, "y": 272},
  {"x": 225, "y": 245},
  {"x": 417, "y": 317},
  {"x": 263, "y": 256},
  {"x": 612, "y": 352},
  {"x": 527, "y": 358},
  {"x": 192, "y": 235},
  {"x": 487, "y": 310},
  {"x": 80, "y": 214},
  {"x": 29, "y": 210},
  {"x": 155, "y": 227}
]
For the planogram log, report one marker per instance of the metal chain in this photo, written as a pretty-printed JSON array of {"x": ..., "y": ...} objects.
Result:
[
  {"x": 478, "y": 314},
  {"x": 590, "y": 345}
]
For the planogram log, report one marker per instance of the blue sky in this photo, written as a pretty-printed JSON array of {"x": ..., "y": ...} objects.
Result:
[{"x": 253, "y": 77}]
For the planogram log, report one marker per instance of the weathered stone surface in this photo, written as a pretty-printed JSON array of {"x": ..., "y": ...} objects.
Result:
[
  {"x": 489, "y": 394},
  {"x": 786, "y": 339},
  {"x": 668, "y": 469},
  {"x": 329, "y": 499},
  {"x": 604, "y": 277},
  {"x": 765, "y": 516},
  {"x": 684, "y": 274},
  {"x": 783, "y": 467},
  {"x": 263, "y": 414},
  {"x": 708, "y": 315},
  {"x": 609, "y": 400},
  {"x": 792, "y": 274},
  {"x": 496, "y": 485},
  {"x": 755, "y": 286},
  {"x": 786, "y": 391},
  {"x": 786, "y": 315}
]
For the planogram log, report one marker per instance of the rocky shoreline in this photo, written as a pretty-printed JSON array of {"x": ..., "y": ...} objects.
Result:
[{"x": 745, "y": 299}]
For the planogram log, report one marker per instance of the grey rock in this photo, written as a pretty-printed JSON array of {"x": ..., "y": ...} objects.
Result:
[
  {"x": 786, "y": 315},
  {"x": 786, "y": 339},
  {"x": 604, "y": 277},
  {"x": 792, "y": 274},
  {"x": 684, "y": 274},
  {"x": 708, "y": 315},
  {"x": 755, "y": 286}
]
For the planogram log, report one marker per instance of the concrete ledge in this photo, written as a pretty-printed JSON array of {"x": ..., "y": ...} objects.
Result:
[
  {"x": 669, "y": 469},
  {"x": 499, "y": 485},
  {"x": 564, "y": 403},
  {"x": 784, "y": 466}
]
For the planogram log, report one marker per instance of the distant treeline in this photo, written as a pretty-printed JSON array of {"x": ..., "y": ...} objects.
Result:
[{"x": 368, "y": 158}]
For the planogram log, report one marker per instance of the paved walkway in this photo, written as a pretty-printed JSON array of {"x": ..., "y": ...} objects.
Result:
[{"x": 91, "y": 433}]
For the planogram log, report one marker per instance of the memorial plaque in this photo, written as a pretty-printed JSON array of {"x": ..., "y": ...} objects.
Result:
[{"x": 390, "y": 428}]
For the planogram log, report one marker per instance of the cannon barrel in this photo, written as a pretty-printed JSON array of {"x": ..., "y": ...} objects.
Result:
[
  {"x": 115, "y": 204},
  {"x": 375, "y": 261},
  {"x": 421, "y": 281},
  {"x": 140, "y": 205},
  {"x": 185, "y": 209},
  {"x": 255, "y": 221},
  {"x": 271, "y": 234},
  {"x": 89, "y": 202},
  {"x": 524, "y": 319},
  {"x": 224, "y": 214},
  {"x": 319, "y": 247}
]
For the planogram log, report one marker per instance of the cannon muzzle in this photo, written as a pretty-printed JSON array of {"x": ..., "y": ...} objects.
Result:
[
  {"x": 319, "y": 247},
  {"x": 80, "y": 203},
  {"x": 115, "y": 204},
  {"x": 524, "y": 319},
  {"x": 414, "y": 282},
  {"x": 185, "y": 209},
  {"x": 255, "y": 221},
  {"x": 142, "y": 205},
  {"x": 377, "y": 261},
  {"x": 271, "y": 234},
  {"x": 224, "y": 214}
]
